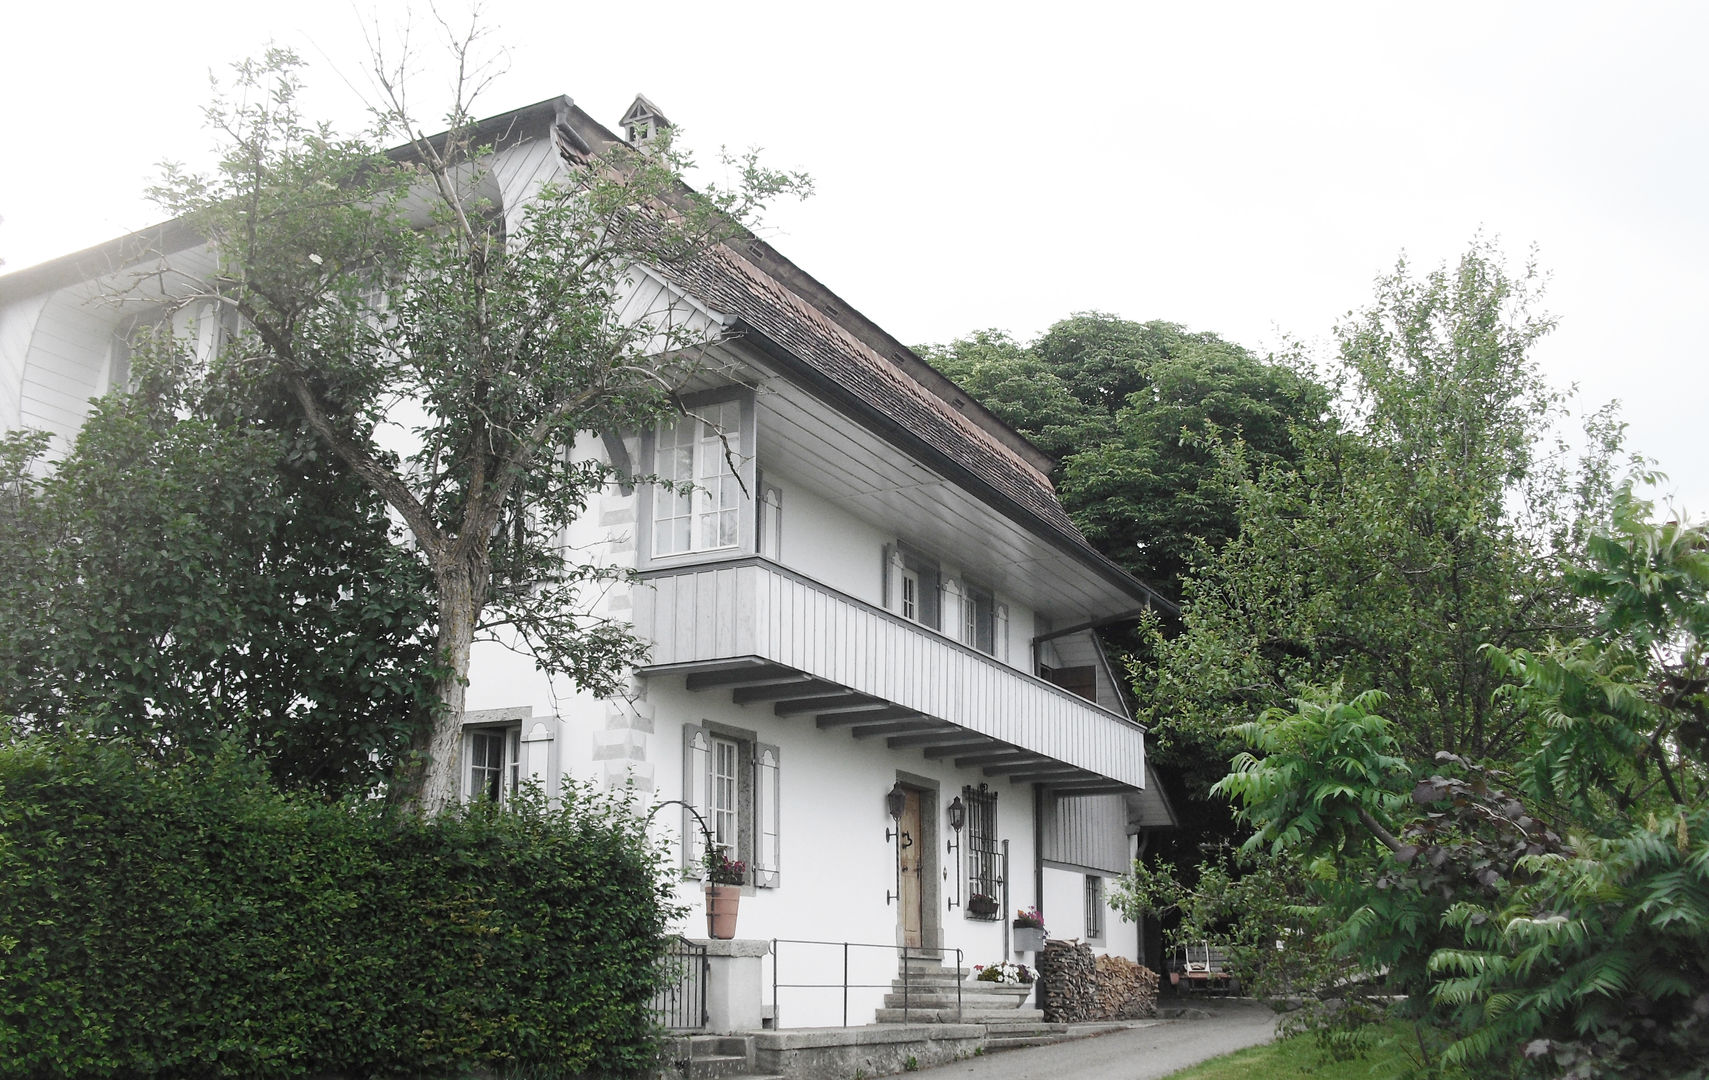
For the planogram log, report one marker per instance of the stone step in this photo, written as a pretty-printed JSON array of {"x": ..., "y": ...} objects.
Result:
[
  {"x": 917, "y": 997},
  {"x": 916, "y": 1015},
  {"x": 715, "y": 1067}
]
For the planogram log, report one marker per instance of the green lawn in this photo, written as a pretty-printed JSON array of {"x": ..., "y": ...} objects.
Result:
[{"x": 1296, "y": 1059}]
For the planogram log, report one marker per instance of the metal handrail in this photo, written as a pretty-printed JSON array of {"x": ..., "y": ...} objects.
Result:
[{"x": 905, "y": 952}]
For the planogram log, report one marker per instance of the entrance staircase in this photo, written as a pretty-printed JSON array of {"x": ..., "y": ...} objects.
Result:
[
  {"x": 714, "y": 1057},
  {"x": 926, "y": 992}
]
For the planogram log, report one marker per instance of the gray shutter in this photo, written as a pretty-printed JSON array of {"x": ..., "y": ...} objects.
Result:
[
  {"x": 887, "y": 596},
  {"x": 767, "y": 816},
  {"x": 696, "y": 789}
]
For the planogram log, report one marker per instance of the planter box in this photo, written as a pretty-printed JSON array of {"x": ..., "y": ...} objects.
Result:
[{"x": 1028, "y": 939}]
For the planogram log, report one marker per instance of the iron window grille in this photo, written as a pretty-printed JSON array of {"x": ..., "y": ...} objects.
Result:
[{"x": 984, "y": 854}]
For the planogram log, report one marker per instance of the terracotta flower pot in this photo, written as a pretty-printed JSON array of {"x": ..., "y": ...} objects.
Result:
[{"x": 721, "y": 904}]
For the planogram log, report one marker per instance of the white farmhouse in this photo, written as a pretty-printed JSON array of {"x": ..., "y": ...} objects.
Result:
[{"x": 874, "y": 675}]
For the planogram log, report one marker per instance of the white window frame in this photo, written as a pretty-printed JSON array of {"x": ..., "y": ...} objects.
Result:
[
  {"x": 481, "y": 773},
  {"x": 747, "y": 831},
  {"x": 708, "y": 498}
]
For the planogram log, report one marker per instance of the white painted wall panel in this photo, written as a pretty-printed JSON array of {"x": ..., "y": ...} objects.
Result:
[{"x": 812, "y": 628}]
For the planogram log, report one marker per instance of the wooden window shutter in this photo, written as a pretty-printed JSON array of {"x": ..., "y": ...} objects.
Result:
[
  {"x": 767, "y": 815},
  {"x": 696, "y": 792}
]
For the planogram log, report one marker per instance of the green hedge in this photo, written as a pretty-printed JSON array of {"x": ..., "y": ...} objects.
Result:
[{"x": 196, "y": 922}]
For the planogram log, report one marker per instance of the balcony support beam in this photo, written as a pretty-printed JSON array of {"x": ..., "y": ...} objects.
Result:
[
  {"x": 843, "y": 702},
  {"x": 794, "y": 688},
  {"x": 892, "y": 727},
  {"x": 748, "y": 675},
  {"x": 865, "y": 716},
  {"x": 946, "y": 741},
  {"x": 996, "y": 755}
]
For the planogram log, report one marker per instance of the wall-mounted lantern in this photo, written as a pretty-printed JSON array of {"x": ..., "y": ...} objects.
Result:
[
  {"x": 895, "y": 801},
  {"x": 957, "y": 819}
]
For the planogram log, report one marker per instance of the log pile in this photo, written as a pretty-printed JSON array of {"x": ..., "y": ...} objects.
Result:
[
  {"x": 1126, "y": 991},
  {"x": 1070, "y": 994},
  {"x": 1079, "y": 987}
]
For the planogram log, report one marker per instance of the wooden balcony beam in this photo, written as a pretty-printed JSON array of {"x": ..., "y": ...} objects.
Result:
[
  {"x": 1089, "y": 786},
  {"x": 1002, "y": 752},
  {"x": 945, "y": 741},
  {"x": 839, "y": 702},
  {"x": 949, "y": 749},
  {"x": 796, "y": 688},
  {"x": 1034, "y": 765},
  {"x": 892, "y": 727},
  {"x": 1035, "y": 775},
  {"x": 747, "y": 675},
  {"x": 865, "y": 716}
]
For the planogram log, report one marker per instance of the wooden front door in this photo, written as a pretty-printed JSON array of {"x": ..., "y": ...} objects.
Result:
[{"x": 912, "y": 850}]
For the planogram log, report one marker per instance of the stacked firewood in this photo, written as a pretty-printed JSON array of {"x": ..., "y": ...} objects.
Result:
[
  {"x": 1079, "y": 987},
  {"x": 1126, "y": 991},
  {"x": 1070, "y": 978}
]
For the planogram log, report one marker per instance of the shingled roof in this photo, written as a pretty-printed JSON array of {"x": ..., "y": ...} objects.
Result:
[{"x": 789, "y": 328}]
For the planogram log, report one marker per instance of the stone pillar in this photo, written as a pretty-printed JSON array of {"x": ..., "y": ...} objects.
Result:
[{"x": 734, "y": 976}]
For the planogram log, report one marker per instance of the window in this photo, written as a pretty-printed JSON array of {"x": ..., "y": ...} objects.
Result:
[
  {"x": 694, "y": 453},
  {"x": 725, "y": 802},
  {"x": 984, "y": 852},
  {"x": 984, "y": 622},
  {"x": 771, "y": 522},
  {"x": 1094, "y": 907},
  {"x": 732, "y": 781},
  {"x": 913, "y": 586},
  {"x": 494, "y": 755}
]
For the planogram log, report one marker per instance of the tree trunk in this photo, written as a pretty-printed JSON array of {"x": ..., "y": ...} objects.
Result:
[{"x": 429, "y": 781}]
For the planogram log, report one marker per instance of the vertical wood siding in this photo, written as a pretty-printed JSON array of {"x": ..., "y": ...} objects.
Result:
[
  {"x": 753, "y": 609},
  {"x": 1087, "y": 830}
]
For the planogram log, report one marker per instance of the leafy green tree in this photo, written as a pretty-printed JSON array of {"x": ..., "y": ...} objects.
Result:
[
  {"x": 392, "y": 299},
  {"x": 1135, "y": 414},
  {"x": 1430, "y": 519},
  {"x": 196, "y": 571},
  {"x": 1537, "y": 956}
]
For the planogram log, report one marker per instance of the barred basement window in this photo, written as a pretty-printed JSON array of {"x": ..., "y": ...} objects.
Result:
[
  {"x": 1094, "y": 907},
  {"x": 984, "y": 854}
]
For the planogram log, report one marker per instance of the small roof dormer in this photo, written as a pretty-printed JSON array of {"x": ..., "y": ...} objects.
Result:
[{"x": 643, "y": 122}]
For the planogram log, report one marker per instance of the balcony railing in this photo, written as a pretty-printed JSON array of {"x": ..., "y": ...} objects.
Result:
[{"x": 753, "y": 609}]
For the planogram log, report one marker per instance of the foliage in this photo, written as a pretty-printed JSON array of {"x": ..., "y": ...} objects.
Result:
[
  {"x": 1135, "y": 412},
  {"x": 194, "y": 921},
  {"x": 1430, "y": 519},
  {"x": 447, "y": 350},
  {"x": 1006, "y": 972},
  {"x": 723, "y": 870},
  {"x": 1258, "y": 909},
  {"x": 1536, "y": 956},
  {"x": 196, "y": 568}
]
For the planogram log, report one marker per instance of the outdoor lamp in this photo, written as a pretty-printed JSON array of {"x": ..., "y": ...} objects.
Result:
[
  {"x": 957, "y": 814},
  {"x": 895, "y": 800}
]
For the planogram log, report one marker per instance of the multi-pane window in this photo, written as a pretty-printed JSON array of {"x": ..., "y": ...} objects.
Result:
[
  {"x": 494, "y": 763},
  {"x": 911, "y": 595},
  {"x": 1094, "y": 907},
  {"x": 725, "y": 807},
  {"x": 984, "y": 622},
  {"x": 700, "y": 512},
  {"x": 984, "y": 850},
  {"x": 731, "y": 781}
]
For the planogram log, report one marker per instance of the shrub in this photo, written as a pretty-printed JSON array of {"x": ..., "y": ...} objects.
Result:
[{"x": 196, "y": 922}]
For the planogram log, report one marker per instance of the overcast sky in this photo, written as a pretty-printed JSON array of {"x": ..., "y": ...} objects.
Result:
[{"x": 1241, "y": 168}]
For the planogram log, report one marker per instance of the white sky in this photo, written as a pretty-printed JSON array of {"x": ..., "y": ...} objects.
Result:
[{"x": 1245, "y": 168}]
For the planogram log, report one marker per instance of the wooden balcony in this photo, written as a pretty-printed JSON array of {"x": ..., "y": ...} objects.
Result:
[{"x": 773, "y": 637}]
